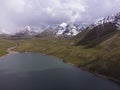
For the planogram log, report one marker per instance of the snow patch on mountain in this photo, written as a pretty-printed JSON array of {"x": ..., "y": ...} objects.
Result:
[
  {"x": 115, "y": 18},
  {"x": 69, "y": 29},
  {"x": 63, "y": 24},
  {"x": 61, "y": 28},
  {"x": 28, "y": 28}
]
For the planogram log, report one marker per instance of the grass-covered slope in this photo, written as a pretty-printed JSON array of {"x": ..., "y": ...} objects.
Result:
[
  {"x": 106, "y": 39},
  {"x": 109, "y": 62},
  {"x": 4, "y": 45},
  {"x": 95, "y": 36},
  {"x": 61, "y": 48}
]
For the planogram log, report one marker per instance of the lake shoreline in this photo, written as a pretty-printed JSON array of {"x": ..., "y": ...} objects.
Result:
[
  {"x": 34, "y": 70},
  {"x": 82, "y": 68},
  {"x": 85, "y": 69},
  {"x": 96, "y": 74},
  {"x": 11, "y": 51}
]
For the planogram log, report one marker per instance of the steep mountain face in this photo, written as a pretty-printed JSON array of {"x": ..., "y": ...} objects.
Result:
[
  {"x": 99, "y": 31},
  {"x": 98, "y": 34}
]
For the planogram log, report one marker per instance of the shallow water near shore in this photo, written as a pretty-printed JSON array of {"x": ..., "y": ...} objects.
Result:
[{"x": 34, "y": 71}]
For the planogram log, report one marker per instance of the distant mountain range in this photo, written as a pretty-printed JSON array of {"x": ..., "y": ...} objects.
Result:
[
  {"x": 65, "y": 29},
  {"x": 62, "y": 29}
]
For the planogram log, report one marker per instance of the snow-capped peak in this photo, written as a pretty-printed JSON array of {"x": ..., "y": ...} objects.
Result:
[
  {"x": 110, "y": 19},
  {"x": 28, "y": 28},
  {"x": 69, "y": 29},
  {"x": 63, "y": 24},
  {"x": 65, "y": 29}
]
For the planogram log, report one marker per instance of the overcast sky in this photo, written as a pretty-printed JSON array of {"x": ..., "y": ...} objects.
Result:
[{"x": 19, "y": 13}]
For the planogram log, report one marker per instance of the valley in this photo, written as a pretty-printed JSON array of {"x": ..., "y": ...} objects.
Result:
[
  {"x": 95, "y": 48},
  {"x": 98, "y": 59},
  {"x": 60, "y": 45}
]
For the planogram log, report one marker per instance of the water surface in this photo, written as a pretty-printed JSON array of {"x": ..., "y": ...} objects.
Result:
[{"x": 31, "y": 71}]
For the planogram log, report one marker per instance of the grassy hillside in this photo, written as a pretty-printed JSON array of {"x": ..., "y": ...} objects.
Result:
[
  {"x": 109, "y": 62},
  {"x": 61, "y": 48},
  {"x": 4, "y": 45},
  {"x": 105, "y": 38},
  {"x": 95, "y": 36}
]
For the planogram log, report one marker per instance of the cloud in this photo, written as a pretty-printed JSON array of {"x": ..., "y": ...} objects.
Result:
[{"x": 20, "y": 13}]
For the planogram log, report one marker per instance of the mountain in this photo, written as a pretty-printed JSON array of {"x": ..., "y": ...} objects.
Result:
[
  {"x": 104, "y": 36},
  {"x": 64, "y": 29},
  {"x": 115, "y": 18},
  {"x": 68, "y": 30},
  {"x": 55, "y": 30},
  {"x": 26, "y": 32},
  {"x": 99, "y": 31}
]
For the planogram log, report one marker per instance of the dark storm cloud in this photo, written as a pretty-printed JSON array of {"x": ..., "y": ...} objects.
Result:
[{"x": 19, "y": 13}]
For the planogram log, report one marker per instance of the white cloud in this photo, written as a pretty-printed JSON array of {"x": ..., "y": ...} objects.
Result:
[
  {"x": 49, "y": 10},
  {"x": 16, "y": 5},
  {"x": 19, "y": 13}
]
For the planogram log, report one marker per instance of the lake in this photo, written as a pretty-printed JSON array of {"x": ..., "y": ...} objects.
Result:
[{"x": 32, "y": 71}]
